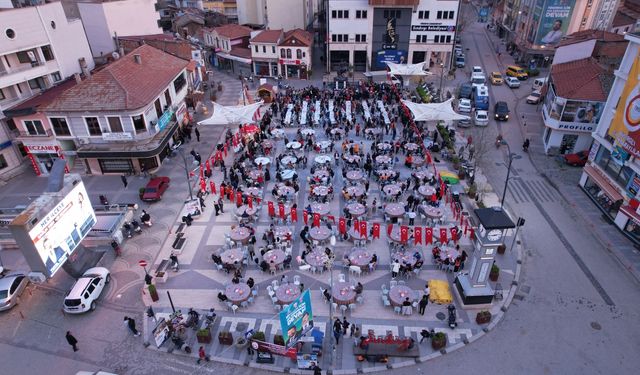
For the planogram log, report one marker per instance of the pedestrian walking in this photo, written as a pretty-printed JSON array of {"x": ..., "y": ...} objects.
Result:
[
  {"x": 216, "y": 206},
  {"x": 317, "y": 370},
  {"x": 337, "y": 333},
  {"x": 143, "y": 170},
  {"x": 423, "y": 304},
  {"x": 124, "y": 181},
  {"x": 197, "y": 134},
  {"x": 345, "y": 325},
  {"x": 72, "y": 341},
  {"x": 353, "y": 329},
  {"x": 202, "y": 355},
  {"x": 151, "y": 314},
  {"x": 131, "y": 324},
  {"x": 250, "y": 350}
]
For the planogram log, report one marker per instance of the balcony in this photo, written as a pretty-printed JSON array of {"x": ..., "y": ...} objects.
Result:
[
  {"x": 26, "y": 72},
  {"x": 19, "y": 133}
]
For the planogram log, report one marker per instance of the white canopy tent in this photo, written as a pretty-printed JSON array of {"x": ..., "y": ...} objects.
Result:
[
  {"x": 434, "y": 111},
  {"x": 407, "y": 69},
  {"x": 238, "y": 114}
]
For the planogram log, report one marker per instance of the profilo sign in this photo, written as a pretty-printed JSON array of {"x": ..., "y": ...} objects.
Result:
[{"x": 433, "y": 28}]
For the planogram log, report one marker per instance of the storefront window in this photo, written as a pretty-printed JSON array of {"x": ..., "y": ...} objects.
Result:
[
  {"x": 60, "y": 126},
  {"x": 3, "y": 162},
  {"x": 633, "y": 229},
  {"x": 115, "y": 165},
  {"x": 618, "y": 173},
  {"x": 602, "y": 200}
]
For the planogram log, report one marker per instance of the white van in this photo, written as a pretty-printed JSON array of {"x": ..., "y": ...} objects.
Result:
[
  {"x": 538, "y": 83},
  {"x": 478, "y": 79}
]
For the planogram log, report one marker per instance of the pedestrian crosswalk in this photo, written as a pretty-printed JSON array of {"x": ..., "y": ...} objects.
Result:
[{"x": 525, "y": 191}]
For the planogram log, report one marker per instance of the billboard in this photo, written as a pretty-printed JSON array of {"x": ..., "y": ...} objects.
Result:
[
  {"x": 297, "y": 319},
  {"x": 394, "y": 56},
  {"x": 59, "y": 233},
  {"x": 625, "y": 126},
  {"x": 554, "y": 21}
]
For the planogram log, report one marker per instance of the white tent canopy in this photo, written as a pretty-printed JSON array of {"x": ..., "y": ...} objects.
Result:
[
  {"x": 434, "y": 111},
  {"x": 239, "y": 114},
  {"x": 407, "y": 69}
]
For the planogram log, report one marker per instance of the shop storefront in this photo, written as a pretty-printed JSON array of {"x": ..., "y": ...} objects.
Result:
[
  {"x": 265, "y": 67},
  {"x": 293, "y": 69},
  {"x": 602, "y": 191},
  {"x": 42, "y": 156}
]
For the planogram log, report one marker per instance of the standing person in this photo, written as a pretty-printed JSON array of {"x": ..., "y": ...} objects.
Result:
[
  {"x": 124, "y": 181},
  {"x": 423, "y": 304},
  {"x": 143, "y": 169},
  {"x": 131, "y": 324},
  {"x": 72, "y": 341},
  {"x": 202, "y": 355},
  {"x": 345, "y": 325},
  {"x": 197, "y": 134},
  {"x": 337, "y": 333},
  {"x": 353, "y": 329},
  {"x": 317, "y": 370}
]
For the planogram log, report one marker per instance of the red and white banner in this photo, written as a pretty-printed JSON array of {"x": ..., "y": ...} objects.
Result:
[
  {"x": 417, "y": 235},
  {"x": 443, "y": 235},
  {"x": 281, "y": 210},
  {"x": 454, "y": 234},
  {"x": 305, "y": 217},
  {"x": 376, "y": 230},
  {"x": 404, "y": 233},
  {"x": 363, "y": 229},
  {"x": 428, "y": 235},
  {"x": 316, "y": 219},
  {"x": 272, "y": 210},
  {"x": 294, "y": 215},
  {"x": 342, "y": 225}
]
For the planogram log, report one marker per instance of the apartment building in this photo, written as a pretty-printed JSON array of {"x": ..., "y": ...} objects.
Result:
[{"x": 277, "y": 14}]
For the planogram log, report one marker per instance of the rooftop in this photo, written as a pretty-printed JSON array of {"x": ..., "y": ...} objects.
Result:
[
  {"x": 233, "y": 31},
  {"x": 297, "y": 37},
  {"x": 583, "y": 36},
  {"x": 267, "y": 36},
  {"x": 123, "y": 84},
  {"x": 241, "y": 52},
  {"x": 32, "y": 104},
  {"x": 622, "y": 19},
  {"x": 581, "y": 79}
]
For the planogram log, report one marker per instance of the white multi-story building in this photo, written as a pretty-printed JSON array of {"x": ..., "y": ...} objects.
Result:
[
  {"x": 277, "y": 14},
  {"x": 295, "y": 52},
  {"x": 264, "y": 52},
  {"x": 365, "y": 33},
  {"x": 105, "y": 20},
  {"x": 39, "y": 48}
]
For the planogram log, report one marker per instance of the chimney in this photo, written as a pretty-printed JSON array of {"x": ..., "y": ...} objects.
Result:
[
  {"x": 77, "y": 77},
  {"x": 138, "y": 59},
  {"x": 121, "y": 51},
  {"x": 84, "y": 67}
]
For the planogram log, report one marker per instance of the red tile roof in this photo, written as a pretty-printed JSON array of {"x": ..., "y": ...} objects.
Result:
[
  {"x": 581, "y": 79},
  {"x": 267, "y": 36},
  {"x": 241, "y": 52},
  {"x": 233, "y": 31},
  {"x": 149, "y": 37},
  {"x": 622, "y": 19},
  {"x": 32, "y": 104},
  {"x": 123, "y": 84},
  {"x": 297, "y": 37},
  {"x": 582, "y": 36}
]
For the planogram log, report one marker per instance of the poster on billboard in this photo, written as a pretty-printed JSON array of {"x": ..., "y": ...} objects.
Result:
[
  {"x": 59, "y": 233},
  {"x": 297, "y": 319},
  {"x": 625, "y": 126},
  {"x": 554, "y": 21},
  {"x": 394, "y": 56}
]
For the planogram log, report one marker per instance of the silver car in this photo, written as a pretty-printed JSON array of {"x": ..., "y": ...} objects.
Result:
[{"x": 11, "y": 287}]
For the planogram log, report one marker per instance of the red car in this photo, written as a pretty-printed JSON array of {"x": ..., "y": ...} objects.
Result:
[
  {"x": 579, "y": 159},
  {"x": 155, "y": 188}
]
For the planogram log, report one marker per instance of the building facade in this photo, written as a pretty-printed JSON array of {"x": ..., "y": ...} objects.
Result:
[
  {"x": 295, "y": 51},
  {"x": 612, "y": 176},
  {"x": 264, "y": 52},
  {"x": 366, "y": 33},
  {"x": 277, "y": 14},
  {"x": 229, "y": 45},
  {"x": 39, "y": 48}
]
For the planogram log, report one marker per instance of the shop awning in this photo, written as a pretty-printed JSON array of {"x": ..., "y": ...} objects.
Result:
[
  {"x": 631, "y": 213},
  {"x": 225, "y": 55},
  {"x": 603, "y": 182}
]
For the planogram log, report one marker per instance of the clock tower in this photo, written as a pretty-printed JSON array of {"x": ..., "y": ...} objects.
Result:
[{"x": 492, "y": 224}]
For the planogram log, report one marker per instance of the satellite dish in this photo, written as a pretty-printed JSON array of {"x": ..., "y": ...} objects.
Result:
[{"x": 115, "y": 55}]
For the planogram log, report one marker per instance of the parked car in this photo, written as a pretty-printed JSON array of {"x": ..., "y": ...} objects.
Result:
[
  {"x": 464, "y": 105},
  {"x": 464, "y": 123},
  {"x": 481, "y": 118},
  {"x": 476, "y": 69},
  {"x": 465, "y": 91},
  {"x": 512, "y": 82},
  {"x": 534, "y": 98},
  {"x": 460, "y": 62},
  {"x": 579, "y": 159},
  {"x": 518, "y": 72},
  {"x": 84, "y": 293},
  {"x": 501, "y": 111},
  {"x": 496, "y": 78},
  {"x": 155, "y": 188},
  {"x": 478, "y": 79},
  {"x": 11, "y": 287}
]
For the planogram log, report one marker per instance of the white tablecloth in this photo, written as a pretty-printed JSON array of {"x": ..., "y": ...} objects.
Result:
[
  {"x": 348, "y": 109},
  {"x": 303, "y": 113},
  {"x": 332, "y": 117},
  {"x": 316, "y": 114},
  {"x": 287, "y": 117},
  {"x": 365, "y": 108},
  {"x": 383, "y": 110}
]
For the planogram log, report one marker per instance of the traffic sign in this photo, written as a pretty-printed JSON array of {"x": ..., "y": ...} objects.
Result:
[{"x": 142, "y": 263}]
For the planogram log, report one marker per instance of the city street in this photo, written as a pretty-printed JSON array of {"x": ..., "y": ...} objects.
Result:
[{"x": 574, "y": 312}]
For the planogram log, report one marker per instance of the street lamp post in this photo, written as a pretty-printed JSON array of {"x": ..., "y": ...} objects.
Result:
[
  {"x": 441, "y": 77},
  {"x": 329, "y": 264},
  {"x": 506, "y": 181},
  {"x": 186, "y": 171}
]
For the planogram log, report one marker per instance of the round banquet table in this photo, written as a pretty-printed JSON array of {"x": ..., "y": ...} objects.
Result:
[
  {"x": 356, "y": 209},
  {"x": 320, "y": 190},
  {"x": 355, "y": 175},
  {"x": 351, "y": 158},
  {"x": 255, "y": 174},
  {"x": 287, "y": 293},
  {"x": 449, "y": 252},
  {"x": 320, "y": 233},
  {"x": 277, "y": 133},
  {"x": 240, "y": 234},
  {"x": 417, "y": 161},
  {"x": 384, "y": 146},
  {"x": 421, "y": 175},
  {"x": 343, "y": 293},
  {"x": 323, "y": 144},
  {"x": 337, "y": 132},
  {"x": 316, "y": 258},
  {"x": 360, "y": 257},
  {"x": 237, "y": 293},
  {"x": 399, "y": 293},
  {"x": 411, "y": 147},
  {"x": 253, "y": 191},
  {"x": 282, "y": 232},
  {"x": 232, "y": 256},
  {"x": 320, "y": 174},
  {"x": 294, "y": 145},
  {"x": 386, "y": 173},
  {"x": 287, "y": 174},
  {"x": 284, "y": 191},
  {"x": 320, "y": 208},
  {"x": 307, "y": 131},
  {"x": 323, "y": 159},
  {"x": 426, "y": 190},
  {"x": 383, "y": 159},
  {"x": 245, "y": 208},
  {"x": 392, "y": 189},
  {"x": 356, "y": 235},
  {"x": 288, "y": 159},
  {"x": 275, "y": 257},
  {"x": 394, "y": 209},
  {"x": 355, "y": 190},
  {"x": 433, "y": 212},
  {"x": 405, "y": 257},
  {"x": 262, "y": 160}
]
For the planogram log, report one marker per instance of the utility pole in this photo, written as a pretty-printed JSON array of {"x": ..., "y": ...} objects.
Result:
[{"x": 186, "y": 171}]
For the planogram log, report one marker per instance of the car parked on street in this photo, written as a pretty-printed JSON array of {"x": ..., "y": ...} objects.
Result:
[
  {"x": 460, "y": 62},
  {"x": 579, "y": 159},
  {"x": 501, "y": 111},
  {"x": 512, "y": 82},
  {"x": 84, "y": 293},
  {"x": 155, "y": 188},
  {"x": 476, "y": 70},
  {"x": 481, "y": 118},
  {"x": 465, "y": 92},
  {"x": 11, "y": 287},
  {"x": 464, "y": 123},
  {"x": 496, "y": 78},
  {"x": 464, "y": 106},
  {"x": 534, "y": 98}
]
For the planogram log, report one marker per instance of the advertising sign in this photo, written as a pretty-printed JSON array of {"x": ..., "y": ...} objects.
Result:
[
  {"x": 394, "y": 56},
  {"x": 554, "y": 21},
  {"x": 443, "y": 28},
  {"x": 390, "y": 37},
  {"x": 164, "y": 120},
  {"x": 59, "y": 233},
  {"x": 262, "y": 346},
  {"x": 625, "y": 126},
  {"x": 297, "y": 319}
]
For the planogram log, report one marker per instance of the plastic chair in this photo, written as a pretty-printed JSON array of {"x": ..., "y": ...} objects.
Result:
[
  {"x": 304, "y": 267},
  {"x": 244, "y": 304},
  {"x": 342, "y": 278},
  {"x": 360, "y": 300},
  {"x": 274, "y": 300},
  {"x": 296, "y": 279},
  {"x": 386, "y": 302},
  {"x": 397, "y": 310},
  {"x": 393, "y": 283},
  {"x": 251, "y": 300},
  {"x": 355, "y": 270},
  {"x": 234, "y": 308},
  {"x": 401, "y": 282},
  {"x": 343, "y": 309}
]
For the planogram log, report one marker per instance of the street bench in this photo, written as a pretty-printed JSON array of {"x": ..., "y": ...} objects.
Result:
[{"x": 160, "y": 272}]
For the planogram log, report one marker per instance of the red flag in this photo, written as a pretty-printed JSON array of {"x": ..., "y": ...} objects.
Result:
[
  {"x": 342, "y": 225},
  {"x": 428, "y": 235},
  {"x": 281, "y": 210},
  {"x": 239, "y": 199},
  {"x": 376, "y": 230},
  {"x": 404, "y": 233},
  {"x": 203, "y": 185},
  {"x": 305, "y": 217},
  {"x": 250, "y": 201},
  {"x": 208, "y": 166},
  {"x": 454, "y": 234},
  {"x": 225, "y": 150},
  {"x": 417, "y": 235},
  {"x": 294, "y": 215},
  {"x": 316, "y": 219},
  {"x": 389, "y": 229},
  {"x": 363, "y": 229},
  {"x": 272, "y": 210},
  {"x": 212, "y": 185},
  {"x": 443, "y": 235},
  {"x": 331, "y": 218},
  {"x": 471, "y": 233}
]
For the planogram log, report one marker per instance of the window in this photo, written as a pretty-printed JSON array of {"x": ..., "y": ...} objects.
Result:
[
  {"x": 298, "y": 54},
  {"x": 93, "y": 126},
  {"x": 3, "y": 162},
  {"x": 167, "y": 97},
  {"x": 47, "y": 53},
  {"x": 361, "y": 14},
  {"x": 445, "y": 15},
  {"x": 436, "y": 39},
  {"x": 423, "y": 14},
  {"x": 448, "y": 38},
  {"x": 179, "y": 83},
  {"x": 23, "y": 57},
  {"x": 346, "y": 14},
  {"x": 340, "y": 38},
  {"x": 60, "y": 126},
  {"x": 421, "y": 38},
  {"x": 115, "y": 125},
  {"x": 256, "y": 49},
  {"x": 264, "y": 49},
  {"x": 2, "y": 95},
  {"x": 34, "y": 127},
  {"x": 391, "y": 13},
  {"x": 334, "y": 14},
  {"x": 273, "y": 49},
  {"x": 339, "y": 14},
  {"x": 158, "y": 107},
  {"x": 138, "y": 124},
  {"x": 288, "y": 53},
  {"x": 282, "y": 54},
  {"x": 439, "y": 15},
  {"x": 10, "y": 33},
  {"x": 37, "y": 83},
  {"x": 56, "y": 77},
  {"x": 361, "y": 38}
]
